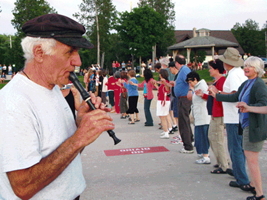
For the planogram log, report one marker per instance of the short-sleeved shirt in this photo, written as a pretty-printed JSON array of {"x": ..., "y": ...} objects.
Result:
[
  {"x": 36, "y": 121},
  {"x": 234, "y": 79},
  {"x": 181, "y": 86}
]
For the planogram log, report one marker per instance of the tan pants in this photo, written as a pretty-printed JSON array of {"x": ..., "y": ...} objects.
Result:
[{"x": 216, "y": 138}]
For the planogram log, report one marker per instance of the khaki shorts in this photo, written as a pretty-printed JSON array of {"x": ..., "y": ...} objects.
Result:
[{"x": 251, "y": 146}]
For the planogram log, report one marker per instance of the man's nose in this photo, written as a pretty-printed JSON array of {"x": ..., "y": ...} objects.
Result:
[{"x": 76, "y": 60}]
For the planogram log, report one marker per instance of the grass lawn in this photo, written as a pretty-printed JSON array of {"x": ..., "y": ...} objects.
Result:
[{"x": 204, "y": 74}]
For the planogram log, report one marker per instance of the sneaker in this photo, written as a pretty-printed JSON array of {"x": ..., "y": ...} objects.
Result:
[
  {"x": 204, "y": 160},
  {"x": 164, "y": 135},
  {"x": 177, "y": 138},
  {"x": 176, "y": 142},
  {"x": 186, "y": 151},
  {"x": 175, "y": 128},
  {"x": 171, "y": 132}
]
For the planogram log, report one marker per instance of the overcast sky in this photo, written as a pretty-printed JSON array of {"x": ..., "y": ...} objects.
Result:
[{"x": 210, "y": 14}]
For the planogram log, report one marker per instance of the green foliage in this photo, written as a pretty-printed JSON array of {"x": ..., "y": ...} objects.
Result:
[
  {"x": 5, "y": 49},
  {"x": 204, "y": 74},
  {"x": 106, "y": 14},
  {"x": 28, "y": 9},
  {"x": 155, "y": 76},
  {"x": 25, "y": 10},
  {"x": 166, "y": 9},
  {"x": 139, "y": 29},
  {"x": 250, "y": 37}
]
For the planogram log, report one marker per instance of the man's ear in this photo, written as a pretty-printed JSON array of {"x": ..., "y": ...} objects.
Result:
[{"x": 38, "y": 53}]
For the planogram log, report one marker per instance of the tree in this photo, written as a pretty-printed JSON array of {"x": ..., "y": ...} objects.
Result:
[
  {"x": 6, "y": 54},
  {"x": 250, "y": 37},
  {"x": 166, "y": 9},
  {"x": 139, "y": 29},
  {"x": 103, "y": 12},
  {"x": 25, "y": 10},
  {"x": 28, "y": 9}
]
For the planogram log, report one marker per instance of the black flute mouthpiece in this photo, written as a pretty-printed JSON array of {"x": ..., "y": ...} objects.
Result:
[{"x": 86, "y": 97}]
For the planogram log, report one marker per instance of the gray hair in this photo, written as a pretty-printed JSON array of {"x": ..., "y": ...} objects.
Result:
[
  {"x": 117, "y": 74},
  {"x": 28, "y": 44},
  {"x": 257, "y": 63}
]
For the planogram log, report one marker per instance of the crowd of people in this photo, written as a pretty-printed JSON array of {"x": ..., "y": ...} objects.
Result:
[
  {"x": 4, "y": 71},
  {"x": 181, "y": 93},
  {"x": 42, "y": 135}
]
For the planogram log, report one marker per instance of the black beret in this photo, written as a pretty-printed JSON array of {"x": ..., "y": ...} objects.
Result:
[{"x": 59, "y": 27}]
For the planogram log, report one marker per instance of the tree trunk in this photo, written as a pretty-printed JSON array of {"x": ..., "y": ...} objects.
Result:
[
  {"x": 98, "y": 39},
  {"x": 102, "y": 60}
]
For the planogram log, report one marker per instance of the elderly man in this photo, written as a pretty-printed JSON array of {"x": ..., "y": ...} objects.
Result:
[
  {"x": 232, "y": 62},
  {"x": 40, "y": 143},
  {"x": 181, "y": 88}
]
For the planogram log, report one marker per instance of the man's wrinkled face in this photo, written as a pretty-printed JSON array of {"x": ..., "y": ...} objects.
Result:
[{"x": 59, "y": 65}]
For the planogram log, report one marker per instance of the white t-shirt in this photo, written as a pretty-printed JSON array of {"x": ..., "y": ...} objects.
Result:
[
  {"x": 34, "y": 122},
  {"x": 233, "y": 81},
  {"x": 104, "y": 86},
  {"x": 199, "y": 105}
]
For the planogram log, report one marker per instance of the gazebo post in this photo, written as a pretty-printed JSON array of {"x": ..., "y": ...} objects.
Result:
[
  {"x": 212, "y": 52},
  {"x": 188, "y": 55}
]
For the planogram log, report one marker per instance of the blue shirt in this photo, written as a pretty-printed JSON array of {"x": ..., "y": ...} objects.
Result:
[
  {"x": 145, "y": 89},
  {"x": 132, "y": 89},
  {"x": 181, "y": 86},
  {"x": 244, "y": 96}
]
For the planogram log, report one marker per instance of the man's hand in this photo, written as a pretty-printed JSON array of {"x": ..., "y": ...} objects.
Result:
[
  {"x": 84, "y": 108},
  {"x": 92, "y": 124}
]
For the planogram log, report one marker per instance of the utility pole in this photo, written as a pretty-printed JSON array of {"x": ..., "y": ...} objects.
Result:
[
  {"x": 266, "y": 39},
  {"x": 10, "y": 42},
  {"x": 98, "y": 40}
]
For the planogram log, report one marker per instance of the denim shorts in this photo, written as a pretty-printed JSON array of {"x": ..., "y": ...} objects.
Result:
[{"x": 251, "y": 146}]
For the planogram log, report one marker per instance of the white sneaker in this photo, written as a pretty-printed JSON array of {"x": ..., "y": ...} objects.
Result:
[
  {"x": 204, "y": 160},
  {"x": 186, "y": 151},
  {"x": 165, "y": 135}
]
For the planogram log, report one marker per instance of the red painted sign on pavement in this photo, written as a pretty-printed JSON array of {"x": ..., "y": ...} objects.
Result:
[{"x": 139, "y": 150}]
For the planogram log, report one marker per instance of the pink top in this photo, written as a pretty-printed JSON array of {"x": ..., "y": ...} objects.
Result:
[{"x": 149, "y": 87}]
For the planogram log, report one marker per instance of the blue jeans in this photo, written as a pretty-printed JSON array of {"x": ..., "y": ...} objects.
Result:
[
  {"x": 237, "y": 154},
  {"x": 201, "y": 139},
  {"x": 149, "y": 120}
]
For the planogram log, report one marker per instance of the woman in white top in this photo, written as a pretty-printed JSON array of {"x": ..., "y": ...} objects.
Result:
[{"x": 201, "y": 116}]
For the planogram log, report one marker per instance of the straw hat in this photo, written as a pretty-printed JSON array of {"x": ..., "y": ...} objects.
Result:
[{"x": 232, "y": 57}]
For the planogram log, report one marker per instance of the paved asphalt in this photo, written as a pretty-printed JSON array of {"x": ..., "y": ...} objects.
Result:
[{"x": 153, "y": 176}]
